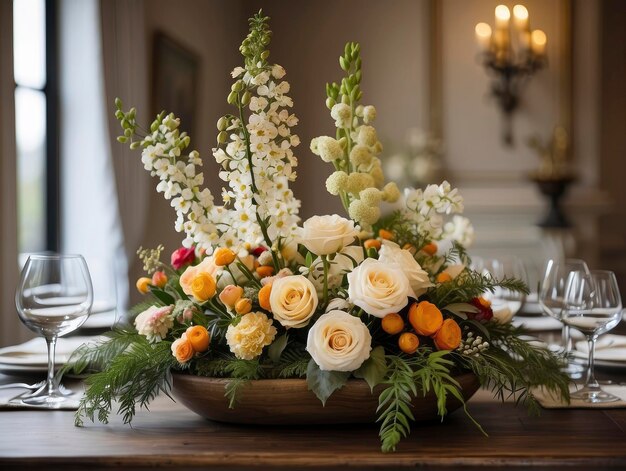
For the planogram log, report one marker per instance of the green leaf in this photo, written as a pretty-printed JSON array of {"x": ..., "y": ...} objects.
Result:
[
  {"x": 162, "y": 296},
  {"x": 460, "y": 309},
  {"x": 324, "y": 383},
  {"x": 275, "y": 350},
  {"x": 374, "y": 369}
]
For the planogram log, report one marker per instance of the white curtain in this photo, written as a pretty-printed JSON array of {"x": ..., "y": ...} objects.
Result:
[{"x": 89, "y": 201}]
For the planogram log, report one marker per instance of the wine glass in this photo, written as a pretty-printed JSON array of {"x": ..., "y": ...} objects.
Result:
[
  {"x": 593, "y": 306},
  {"x": 53, "y": 298},
  {"x": 505, "y": 303},
  {"x": 552, "y": 300}
]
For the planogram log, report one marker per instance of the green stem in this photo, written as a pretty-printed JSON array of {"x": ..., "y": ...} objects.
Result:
[{"x": 325, "y": 264}]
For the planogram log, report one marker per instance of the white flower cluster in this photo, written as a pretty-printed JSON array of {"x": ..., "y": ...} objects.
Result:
[
  {"x": 358, "y": 178},
  {"x": 459, "y": 229},
  {"x": 473, "y": 346},
  {"x": 180, "y": 182},
  {"x": 427, "y": 207},
  {"x": 264, "y": 190}
]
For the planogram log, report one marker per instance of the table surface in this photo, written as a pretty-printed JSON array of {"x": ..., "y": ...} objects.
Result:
[{"x": 170, "y": 436}]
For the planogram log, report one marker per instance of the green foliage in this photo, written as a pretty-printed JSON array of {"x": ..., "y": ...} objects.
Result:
[
  {"x": 374, "y": 369},
  {"x": 394, "y": 403},
  {"x": 470, "y": 284},
  {"x": 323, "y": 383},
  {"x": 134, "y": 376},
  {"x": 293, "y": 363},
  {"x": 275, "y": 350}
]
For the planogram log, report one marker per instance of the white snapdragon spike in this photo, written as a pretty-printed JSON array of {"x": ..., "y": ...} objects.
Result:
[
  {"x": 181, "y": 183},
  {"x": 271, "y": 142},
  {"x": 427, "y": 207}
]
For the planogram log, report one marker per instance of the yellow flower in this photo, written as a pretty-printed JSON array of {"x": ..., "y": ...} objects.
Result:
[
  {"x": 203, "y": 287},
  {"x": 247, "y": 339}
]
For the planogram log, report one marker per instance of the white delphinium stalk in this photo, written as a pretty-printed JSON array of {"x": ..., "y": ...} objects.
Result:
[{"x": 256, "y": 153}]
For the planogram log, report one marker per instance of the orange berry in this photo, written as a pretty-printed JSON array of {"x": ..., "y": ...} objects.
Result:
[
  {"x": 443, "y": 277},
  {"x": 243, "y": 306},
  {"x": 143, "y": 285},
  {"x": 230, "y": 295},
  {"x": 430, "y": 249},
  {"x": 264, "y": 297},
  {"x": 159, "y": 278},
  {"x": 385, "y": 234},
  {"x": 199, "y": 338},
  {"x": 425, "y": 318},
  {"x": 223, "y": 256},
  {"x": 449, "y": 336},
  {"x": 408, "y": 342},
  {"x": 484, "y": 302},
  {"x": 392, "y": 323},
  {"x": 372, "y": 244},
  {"x": 265, "y": 270}
]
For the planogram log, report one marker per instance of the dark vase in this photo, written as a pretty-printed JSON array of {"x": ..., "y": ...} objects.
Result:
[{"x": 554, "y": 190}]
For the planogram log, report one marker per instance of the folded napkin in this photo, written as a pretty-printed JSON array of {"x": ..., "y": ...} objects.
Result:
[
  {"x": 537, "y": 323},
  {"x": 608, "y": 348},
  {"x": 34, "y": 352},
  {"x": 548, "y": 401}
]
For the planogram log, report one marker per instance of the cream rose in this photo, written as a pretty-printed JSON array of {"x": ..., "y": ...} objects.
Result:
[
  {"x": 339, "y": 341},
  {"x": 205, "y": 266},
  {"x": 293, "y": 300},
  {"x": 391, "y": 252},
  {"x": 379, "y": 288},
  {"x": 325, "y": 235}
]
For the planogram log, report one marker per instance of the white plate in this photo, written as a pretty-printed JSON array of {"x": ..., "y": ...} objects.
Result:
[
  {"x": 537, "y": 323},
  {"x": 103, "y": 320},
  {"x": 34, "y": 353}
]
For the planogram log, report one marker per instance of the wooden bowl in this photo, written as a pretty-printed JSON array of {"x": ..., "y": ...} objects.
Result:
[{"x": 288, "y": 401}]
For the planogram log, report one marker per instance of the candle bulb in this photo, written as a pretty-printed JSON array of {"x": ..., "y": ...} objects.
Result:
[
  {"x": 538, "y": 42},
  {"x": 520, "y": 15},
  {"x": 502, "y": 17},
  {"x": 483, "y": 35}
]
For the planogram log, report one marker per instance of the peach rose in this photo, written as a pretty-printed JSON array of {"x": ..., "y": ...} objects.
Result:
[
  {"x": 182, "y": 349},
  {"x": 206, "y": 266},
  {"x": 293, "y": 300}
]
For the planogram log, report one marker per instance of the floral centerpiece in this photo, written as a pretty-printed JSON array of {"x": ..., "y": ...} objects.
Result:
[{"x": 253, "y": 294}]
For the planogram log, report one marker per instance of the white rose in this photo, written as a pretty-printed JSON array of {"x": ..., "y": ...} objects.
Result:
[
  {"x": 379, "y": 288},
  {"x": 391, "y": 252},
  {"x": 325, "y": 235},
  {"x": 339, "y": 341},
  {"x": 293, "y": 301}
]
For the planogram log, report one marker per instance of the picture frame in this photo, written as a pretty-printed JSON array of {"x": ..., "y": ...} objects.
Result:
[{"x": 174, "y": 80}]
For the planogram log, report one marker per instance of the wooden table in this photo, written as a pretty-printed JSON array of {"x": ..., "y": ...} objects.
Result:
[{"x": 169, "y": 436}]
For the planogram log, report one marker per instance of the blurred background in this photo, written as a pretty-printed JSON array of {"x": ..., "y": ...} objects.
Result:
[{"x": 530, "y": 126}]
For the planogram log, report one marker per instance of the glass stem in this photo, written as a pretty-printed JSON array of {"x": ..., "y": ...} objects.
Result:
[
  {"x": 591, "y": 377},
  {"x": 567, "y": 340},
  {"x": 52, "y": 343}
]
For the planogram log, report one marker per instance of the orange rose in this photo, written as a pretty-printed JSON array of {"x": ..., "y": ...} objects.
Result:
[
  {"x": 265, "y": 270},
  {"x": 203, "y": 287},
  {"x": 230, "y": 295},
  {"x": 182, "y": 349},
  {"x": 143, "y": 285},
  {"x": 449, "y": 336},
  {"x": 224, "y": 256},
  {"x": 243, "y": 306},
  {"x": 425, "y": 318},
  {"x": 199, "y": 338}
]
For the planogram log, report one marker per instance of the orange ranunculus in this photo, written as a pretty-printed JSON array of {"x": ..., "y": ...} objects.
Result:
[
  {"x": 224, "y": 256},
  {"x": 372, "y": 244},
  {"x": 430, "y": 249},
  {"x": 230, "y": 295},
  {"x": 392, "y": 323},
  {"x": 243, "y": 306},
  {"x": 182, "y": 349},
  {"x": 203, "y": 287},
  {"x": 408, "y": 342},
  {"x": 385, "y": 234},
  {"x": 159, "y": 278},
  {"x": 449, "y": 336},
  {"x": 265, "y": 270},
  {"x": 143, "y": 285},
  {"x": 443, "y": 277},
  {"x": 425, "y": 318},
  {"x": 199, "y": 338},
  {"x": 264, "y": 297}
]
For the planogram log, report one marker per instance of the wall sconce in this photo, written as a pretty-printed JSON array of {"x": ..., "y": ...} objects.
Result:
[{"x": 511, "y": 59}]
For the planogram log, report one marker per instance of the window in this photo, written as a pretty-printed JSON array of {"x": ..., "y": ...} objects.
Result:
[{"x": 35, "y": 122}]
